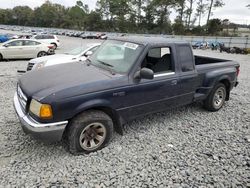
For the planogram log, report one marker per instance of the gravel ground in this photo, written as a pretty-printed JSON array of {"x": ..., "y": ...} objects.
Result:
[{"x": 183, "y": 147}]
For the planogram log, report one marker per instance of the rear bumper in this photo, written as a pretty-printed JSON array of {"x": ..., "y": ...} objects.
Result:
[{"x": 48, "y": 132}]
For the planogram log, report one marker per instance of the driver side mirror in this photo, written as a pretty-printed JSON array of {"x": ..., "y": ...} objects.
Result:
[
  {"x": 88, "y": 53},
  {"x": 144, "y": 73},
  {"x": 6, "y": 45}
]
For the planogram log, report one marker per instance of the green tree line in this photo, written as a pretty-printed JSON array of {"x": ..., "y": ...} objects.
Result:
[{"x": 134, "y": 16}]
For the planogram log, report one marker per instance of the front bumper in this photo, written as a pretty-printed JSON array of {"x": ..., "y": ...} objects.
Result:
[{"x": 49, "y": 132}]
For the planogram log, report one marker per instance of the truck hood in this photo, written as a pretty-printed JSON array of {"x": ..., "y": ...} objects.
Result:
[{"x": 67, "y": 80}]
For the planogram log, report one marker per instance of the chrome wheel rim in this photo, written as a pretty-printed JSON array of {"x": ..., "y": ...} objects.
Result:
[
  {"x": 92, "y": 136},
  {"x": 219, "y": 97}
]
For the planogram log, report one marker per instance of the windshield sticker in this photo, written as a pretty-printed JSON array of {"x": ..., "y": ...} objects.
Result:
[{"x": 130, "y": 45}]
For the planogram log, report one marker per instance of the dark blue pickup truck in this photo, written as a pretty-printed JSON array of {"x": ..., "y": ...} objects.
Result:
[{"x": 125, "y": 78}]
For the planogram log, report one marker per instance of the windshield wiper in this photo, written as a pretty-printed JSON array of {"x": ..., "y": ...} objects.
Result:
[
  {"x": 106, "y": 64},
  {"x": 108, "y": 67}
]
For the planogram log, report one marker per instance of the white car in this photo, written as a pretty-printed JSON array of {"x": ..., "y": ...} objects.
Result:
[
  {"x": 48, "y": 39},
  {"x": 23, "y": 49},
  {"x": 75, "y": 55}
]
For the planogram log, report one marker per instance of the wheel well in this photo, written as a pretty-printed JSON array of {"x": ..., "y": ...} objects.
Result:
[
  {"x": 53, "y": 43},
  {"x": 114, "y": 116},
  {"x": 111, "y": 113},
  {"x": 227, "y": 85}
]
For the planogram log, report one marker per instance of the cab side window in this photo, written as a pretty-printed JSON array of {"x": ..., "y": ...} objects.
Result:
[{"x": 159, "y": 60}]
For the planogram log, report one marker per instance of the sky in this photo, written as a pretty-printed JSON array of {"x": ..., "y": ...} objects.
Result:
[{"x": 234, "y": 10}]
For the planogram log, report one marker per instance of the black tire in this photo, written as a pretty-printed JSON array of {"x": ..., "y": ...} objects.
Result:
[
  {"x": 82, "y": 132},
  {"x": 55, "y": 45},
  {"x": 216, "y": 98},
  {"x": 1, "y": 57},
  {"x": 41, "y": 54}
]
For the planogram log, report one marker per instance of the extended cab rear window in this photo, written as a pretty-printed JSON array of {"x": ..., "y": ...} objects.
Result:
[{"x": 186, "y": 58}]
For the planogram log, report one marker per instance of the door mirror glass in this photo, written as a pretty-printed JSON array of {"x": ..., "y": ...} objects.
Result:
[
  {"x": 88, "y": 53},
  {"x": 145, "y": 73}
]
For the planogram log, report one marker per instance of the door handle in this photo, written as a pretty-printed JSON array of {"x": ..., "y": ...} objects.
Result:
[{"x": 173, "y": 82}]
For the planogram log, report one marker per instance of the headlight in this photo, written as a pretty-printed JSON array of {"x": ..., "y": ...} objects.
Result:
[
  {"x": 40, "y": 65},
  {"x": 43, "y": 111}
]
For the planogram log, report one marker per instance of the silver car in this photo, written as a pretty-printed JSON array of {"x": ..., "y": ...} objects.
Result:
[
  {"x": 77, "y": 54},
  {"x": 23, "y": 49}
]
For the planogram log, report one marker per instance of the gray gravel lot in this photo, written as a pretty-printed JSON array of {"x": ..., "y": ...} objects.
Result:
[{"x": 183, "y": 147}]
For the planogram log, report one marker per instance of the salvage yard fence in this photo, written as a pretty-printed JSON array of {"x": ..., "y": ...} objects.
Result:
[{"x": 241, "y": 42}]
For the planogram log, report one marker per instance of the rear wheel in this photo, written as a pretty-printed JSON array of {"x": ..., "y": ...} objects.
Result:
[
  {"x": 90, "y": 131},
  {"x": 41, "y": 54},
  {"x": 216, "y": 98}
]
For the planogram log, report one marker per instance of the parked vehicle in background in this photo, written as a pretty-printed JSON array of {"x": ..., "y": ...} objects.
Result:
[
  {"x": 125, "y": 78},
  {"x": 25, "y": 36},
  {"x": 49, "y": 39},
  {"x": 75, "y": 55},
  {"x": 201, "y": 45},
  {"x": 234, "y": 50},
  {"x": 11, "y": 36},
  {"x": 89, "y": 36},
  {"x": 24, "y": 48},
  {"x": 215, "y": 45},
  {"x": 3, "y": 38},
  {"x": 102, "y": 36}
]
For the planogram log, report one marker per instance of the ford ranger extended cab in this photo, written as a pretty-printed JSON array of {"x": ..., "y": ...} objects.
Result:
[{"x": 125, "y": 78}]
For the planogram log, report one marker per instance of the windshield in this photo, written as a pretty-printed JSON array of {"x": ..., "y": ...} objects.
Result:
[
  {"x": 117, "y": 56},
  {"x": 76, "y": 51}
]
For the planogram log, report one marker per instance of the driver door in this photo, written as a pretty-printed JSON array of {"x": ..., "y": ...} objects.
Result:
[{"x": 148, "y": 96}]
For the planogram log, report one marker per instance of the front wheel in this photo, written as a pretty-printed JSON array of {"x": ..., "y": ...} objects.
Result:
[
  {"x": 90, "y": 131},
  {"x": 41, "y": 54},
  {"x": 216, "y": 98}
]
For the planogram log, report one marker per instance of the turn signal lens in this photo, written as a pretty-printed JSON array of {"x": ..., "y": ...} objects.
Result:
[
  {"x": 43, "y": 111},
  {"x": 46, "y": 111}
]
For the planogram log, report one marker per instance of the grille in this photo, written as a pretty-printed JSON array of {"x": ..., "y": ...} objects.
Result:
[
  {"x": 22, "y": 98},
  {"x": 30, "y": 66}
]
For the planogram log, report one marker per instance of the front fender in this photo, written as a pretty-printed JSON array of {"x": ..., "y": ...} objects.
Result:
[
  {"x": 93, "y": 104},
  {"x": 103, "y": 105}
]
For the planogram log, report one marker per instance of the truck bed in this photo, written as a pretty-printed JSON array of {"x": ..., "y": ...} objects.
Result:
[
  {"x": 203, "y": 63},
  {"x": 201, "y": 60},
  {"x": 209, "y": 69}
]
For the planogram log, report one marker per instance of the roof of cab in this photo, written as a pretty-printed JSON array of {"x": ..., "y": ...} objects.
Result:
[{"x": 149, "y": 40}]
